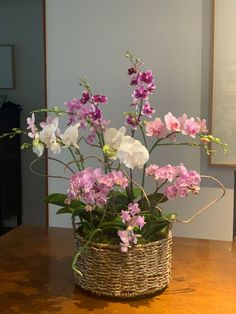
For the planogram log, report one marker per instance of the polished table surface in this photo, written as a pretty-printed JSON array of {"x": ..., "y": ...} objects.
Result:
[{"x": 36, "y": 278}]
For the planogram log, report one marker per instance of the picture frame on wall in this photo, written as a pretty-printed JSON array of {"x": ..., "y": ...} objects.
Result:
[
  {"x": 223, "y": 107},
  {"x": 7, "y": 67}
]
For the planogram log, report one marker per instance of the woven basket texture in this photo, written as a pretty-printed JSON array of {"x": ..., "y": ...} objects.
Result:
[{"x": 106, "y": 271}]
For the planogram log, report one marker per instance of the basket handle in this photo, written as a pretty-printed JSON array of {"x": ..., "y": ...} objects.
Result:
[{"x": 201, "y": 210}]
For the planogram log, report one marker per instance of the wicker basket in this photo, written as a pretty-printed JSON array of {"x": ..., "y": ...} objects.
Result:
[{"x": 144, "y": 270}]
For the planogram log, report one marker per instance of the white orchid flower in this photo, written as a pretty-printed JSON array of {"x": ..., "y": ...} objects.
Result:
[
  {"x": 132, "y": 153},
  {"x": 48, "y": 134},
  {"x": 114, "y": 137},
  {"x": 71, "y": 135},
  {"x": 38, "y": 147},
  {"x": 55, "y": 148}
]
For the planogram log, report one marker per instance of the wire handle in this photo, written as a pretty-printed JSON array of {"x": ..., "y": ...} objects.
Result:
[{"x": 209, "y": 204}]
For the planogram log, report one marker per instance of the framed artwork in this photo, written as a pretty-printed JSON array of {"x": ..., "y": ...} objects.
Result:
[
  {"x": 7, "y": 67},
  {"x": 223, "y": 123}
]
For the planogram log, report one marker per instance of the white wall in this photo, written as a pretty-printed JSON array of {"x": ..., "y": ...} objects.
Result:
[
  {"x": 21, "y": 25},
  {"x": 90, "y": 38}
]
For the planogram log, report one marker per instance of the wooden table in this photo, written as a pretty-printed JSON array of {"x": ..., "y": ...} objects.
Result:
[{"x": 36, "y": 278}]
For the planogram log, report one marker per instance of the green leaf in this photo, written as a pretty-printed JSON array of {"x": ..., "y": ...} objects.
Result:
[
  {"x": 137, "y": 192},
  {"x": 56, "y": 199},
  {"x": 154, "y": 200},
  {"x": 86, "y": 228},
  {"x": 157, "y": 226},
  {"x": 65, "y": 210},
  {"x": 115, "y": 224},
  {"x": 119, "y": 198},
  {"x": 156, "y": 230},
  {"x": 118, "y": 194},
  {"x": 117, "y": 220},
  {"x": 83, "y": 215},
  {"x": 59, "y": 199}
]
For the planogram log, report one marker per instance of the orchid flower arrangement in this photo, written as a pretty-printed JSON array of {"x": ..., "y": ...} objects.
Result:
[{"x": 111, "y": 206}]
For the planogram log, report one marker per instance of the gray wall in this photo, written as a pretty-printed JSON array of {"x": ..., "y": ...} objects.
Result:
[
  {"x": 173, "y": 38},
  {"x": 21, "y": 25}
]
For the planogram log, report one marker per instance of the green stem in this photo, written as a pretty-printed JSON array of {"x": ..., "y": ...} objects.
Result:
[
  {"x": 102, "y": 135},
  {"x": 81, "y": 158},
  {"x": 143, "y": 183},
  {"x": 75, "y": 159},
  {"x": 113, "y": 202},
  {"x": 128, "y": 194},
  {"x": 101, "y": 143},
  {"x": 159, "y": 187},
  {"x": 131, "y": 184},
  {"x": 91, "y": 219},
  {"x": 55, "y": 110},
  {"x": 93, "y": 145},
  {"x": 100, "y": 140},
  {"x": 87, "y": 243},
  {"x": 75, "y": 259},
  {"x": 12, "y": 134},
  {"x": 139, "y": 115},
  {"x": 144, "y": 168},
  {"x": 143, "y": 178},
  {"x": 181, "y": 144},
  {"x": 144, "y": 137},
  {"x": 161, "y": 139}
]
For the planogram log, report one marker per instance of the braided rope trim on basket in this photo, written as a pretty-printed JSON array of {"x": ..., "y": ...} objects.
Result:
[{"x": 144, "y": 270}]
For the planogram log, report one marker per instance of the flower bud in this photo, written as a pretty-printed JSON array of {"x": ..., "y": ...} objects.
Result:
[{"x": 109, "y": 151}]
